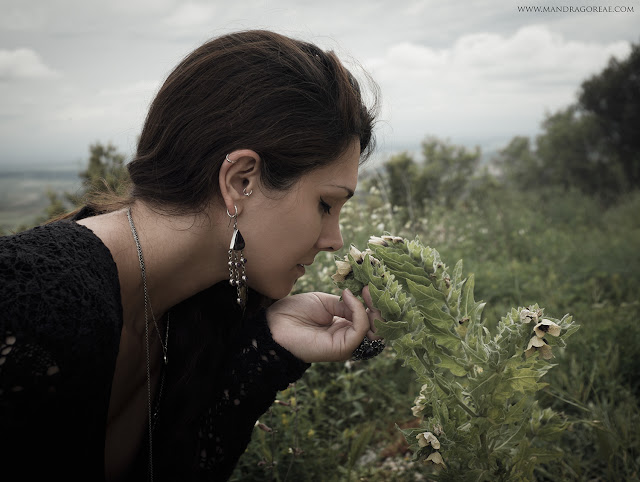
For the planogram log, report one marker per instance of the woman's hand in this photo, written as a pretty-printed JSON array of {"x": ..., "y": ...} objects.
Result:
[{"x": 320, "y": 327}]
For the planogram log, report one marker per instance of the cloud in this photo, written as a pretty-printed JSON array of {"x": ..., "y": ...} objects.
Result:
[
  {"x": 189, "y": 15},
  {"x": 484, "y": 85},
  {"x": 124, "y": 105},
  {"x": 23, "y": 64},
  {"x": 134, "y": 90}
]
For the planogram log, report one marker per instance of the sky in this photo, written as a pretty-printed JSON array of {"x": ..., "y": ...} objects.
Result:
[{"x": 477, "y": 72}]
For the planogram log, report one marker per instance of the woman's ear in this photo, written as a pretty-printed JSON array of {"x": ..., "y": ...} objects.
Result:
[{"x": 239, "y": 175}]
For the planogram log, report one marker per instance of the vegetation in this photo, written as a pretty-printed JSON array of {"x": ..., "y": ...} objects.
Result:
[{"x": 551, "y": 221}]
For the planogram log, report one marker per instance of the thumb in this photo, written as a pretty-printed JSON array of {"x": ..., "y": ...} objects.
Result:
[{"x": 360, "y": 320}]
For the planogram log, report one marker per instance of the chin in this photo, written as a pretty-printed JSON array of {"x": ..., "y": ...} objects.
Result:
[{"x": 274, "y": 292}]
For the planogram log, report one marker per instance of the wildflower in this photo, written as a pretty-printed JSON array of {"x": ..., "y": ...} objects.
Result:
[
  {"x": 378, "y": 241},
  {"x": 357, "y": 255},
  {"x": 393, "y": 239},
  {"x": 527, "y": 316},
  {"x": 296, "y": 451},
  {"x": 427, "y": 438},
  {"x": 547, "y": 326},
  {"x": 436, "y": 458},
  {"x": 420, "y": 403},
  {"x": 263, "y": 427},
  {"x": 344, "y": 267},
  {"x": 538, "y": 344},
  {"x": 343, "y": 270},
  {"x": 374, "y": 261}
]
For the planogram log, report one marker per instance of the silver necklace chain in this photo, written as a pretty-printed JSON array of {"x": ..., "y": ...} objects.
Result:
[{"x": 147, "y": 307}]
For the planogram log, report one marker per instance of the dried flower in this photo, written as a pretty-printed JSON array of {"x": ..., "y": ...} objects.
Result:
[
  {"x": 427, "y": 438},
  {"x": 263, "y": 427},
  {"x": 547, "y": 326}
]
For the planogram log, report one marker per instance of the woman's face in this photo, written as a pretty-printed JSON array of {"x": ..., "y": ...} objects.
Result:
[{"x": 285, "y": 231}]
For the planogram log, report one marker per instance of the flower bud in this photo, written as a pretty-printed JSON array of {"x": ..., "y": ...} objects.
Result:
[{"x": 378, "y": 241}]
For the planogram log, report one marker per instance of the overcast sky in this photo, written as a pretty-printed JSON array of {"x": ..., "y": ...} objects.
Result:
[{"x": 73, "y": 72}]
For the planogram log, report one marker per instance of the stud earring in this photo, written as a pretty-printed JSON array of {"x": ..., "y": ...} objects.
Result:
[{"x": 237, "y": 273}]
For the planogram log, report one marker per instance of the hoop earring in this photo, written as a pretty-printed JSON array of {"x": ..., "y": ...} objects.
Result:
[
  {"x": 230, "y": 161},
  {"x": 237, "y": 272},
  {"x": 244, "y": 191}
]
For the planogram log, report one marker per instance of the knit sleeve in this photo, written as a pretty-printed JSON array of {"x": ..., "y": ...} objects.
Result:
[
  {"x": 258, "y": 369},
  {"x": 59, "y": 331}
]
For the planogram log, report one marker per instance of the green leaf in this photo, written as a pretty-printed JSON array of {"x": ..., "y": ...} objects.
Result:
[
  {"x": 390, "y": 330},
  {"x": 425, "y": 295},
  {"x": 516, "y": 412},
  {"x": 385, "y": 303},
  {"x": 402, "y": 265},
  {"x": 454, "y": 365},
  {"x": 457, "y": 273}
]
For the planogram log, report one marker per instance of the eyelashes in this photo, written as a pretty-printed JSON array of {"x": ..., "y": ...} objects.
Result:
[{"x": 325, "y": 207}]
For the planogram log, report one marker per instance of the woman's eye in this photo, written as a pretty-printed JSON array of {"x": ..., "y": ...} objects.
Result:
[{"x": 325, "y": 207}]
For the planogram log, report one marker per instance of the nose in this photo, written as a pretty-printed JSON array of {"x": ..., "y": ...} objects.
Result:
[{"x": 331, "y": 238}]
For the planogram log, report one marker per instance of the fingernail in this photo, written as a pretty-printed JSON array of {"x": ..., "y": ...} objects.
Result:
[{"x": 347, "y": 290}]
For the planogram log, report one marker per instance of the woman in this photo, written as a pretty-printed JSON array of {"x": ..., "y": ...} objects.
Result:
[{"x": 141, "y": 336}]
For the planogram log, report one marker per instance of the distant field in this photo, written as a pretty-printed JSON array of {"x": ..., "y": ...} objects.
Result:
[{"x": 23, "y": 194}]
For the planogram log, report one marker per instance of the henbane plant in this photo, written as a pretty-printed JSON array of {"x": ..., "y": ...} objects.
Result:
[{"x": 480, "y": 419}]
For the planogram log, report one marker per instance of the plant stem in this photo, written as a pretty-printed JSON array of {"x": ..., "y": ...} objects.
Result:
[{"x": 444, "y": 388}]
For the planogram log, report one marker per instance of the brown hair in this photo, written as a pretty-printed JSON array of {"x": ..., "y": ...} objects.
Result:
[{"x": 299, "y": 108}]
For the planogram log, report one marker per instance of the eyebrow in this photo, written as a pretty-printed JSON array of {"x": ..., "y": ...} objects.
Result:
[{"x": 350, "y": 192}]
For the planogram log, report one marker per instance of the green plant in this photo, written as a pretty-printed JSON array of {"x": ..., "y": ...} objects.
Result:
[{"x": 481, "y": 420}]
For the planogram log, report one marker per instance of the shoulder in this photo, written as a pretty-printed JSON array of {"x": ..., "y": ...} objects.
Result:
[
  {"x": 54, "y": 251},
  {"x": 56, "y": 271}
]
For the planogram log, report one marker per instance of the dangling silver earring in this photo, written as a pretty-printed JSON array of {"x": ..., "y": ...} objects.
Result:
[{"x": 237, "y": 273}]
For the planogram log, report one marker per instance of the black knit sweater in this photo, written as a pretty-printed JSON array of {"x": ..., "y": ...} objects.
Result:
[{"x": 60, "y": 325}]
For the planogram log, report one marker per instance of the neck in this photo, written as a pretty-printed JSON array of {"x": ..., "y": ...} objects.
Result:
[{"x": 183, "y": 255}]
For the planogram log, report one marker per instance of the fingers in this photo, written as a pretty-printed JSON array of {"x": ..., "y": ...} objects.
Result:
[
  {"x": 372, "y": 314},
  {"x": 359, "y": 317}
]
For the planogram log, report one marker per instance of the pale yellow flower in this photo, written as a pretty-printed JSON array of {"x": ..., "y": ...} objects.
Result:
[
  {"x": 374, "y": 261},
  {"x": 527, "y": 316},
  {"x": 427, "y": 438},
  {"x": 547, "y": 326},
  {"x": 538, "y": 344},
  {"x": 420, "y": 403},
  {"x": 378, "y": 241},
  {"x": 343, "y": 267},
  {"x": 436, "y": 458},
  {"x": 343, "y": 270},
  {"x": 355, "y": 252}
]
